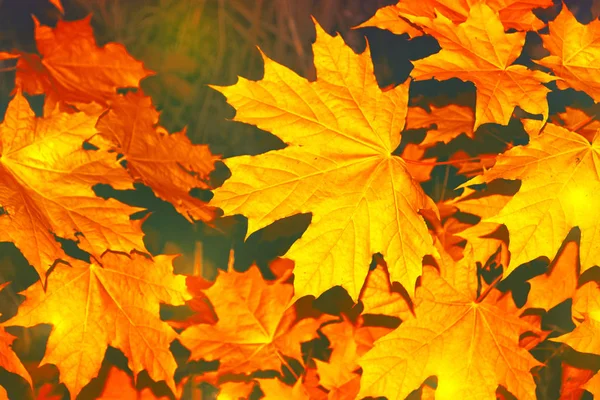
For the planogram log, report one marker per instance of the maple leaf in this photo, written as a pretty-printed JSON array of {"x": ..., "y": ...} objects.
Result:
[
  {"x": 91, "y": 307},
  {"x": 255, "y": 328},
  {"x": 72, "y": 68},
  {"x": 472, "y": 347},
  {"x": 559, "y": 174},
  {"x": 341, "y": 131},
  {"x": 478, "y": 50},
  {"x": 558, "y": 283},
  {"x": 514, "y": 14},
  {"x": 574, "y": 53},
  {"x": 47, "y": 177},
  {"x": 8, "y": 359},
  {"x": 450, "y": 121},
  {"x": 168, "y": 163}
]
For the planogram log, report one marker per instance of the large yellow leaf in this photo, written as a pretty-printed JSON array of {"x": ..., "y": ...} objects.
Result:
[
  {"x": 91, "y": 307},
  {"x": 514, "y": 14},
  {"x": 559, "y": 170},
  {"x": 478, "y": 50},
  {"x": 168, "y": 163},
  {"x": 574, "y": 53},
  {"x": 46, "y": 180},
  {"x": 341, "y": 131},
  {"x": 472, "y": 347}
]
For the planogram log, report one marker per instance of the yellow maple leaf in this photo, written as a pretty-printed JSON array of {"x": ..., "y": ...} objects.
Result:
[
  {"x": 341, "y": 131},
  {"x": 256, "y": 329},
  {"x": 472, "y": 347},
  {"x": 46, "y": 180},
  {"x": 91, "y": 307},
  {"x": 479, "y": 51},
  {"x": 574, "y": 53},
  {"x": 560, "y": 178}
]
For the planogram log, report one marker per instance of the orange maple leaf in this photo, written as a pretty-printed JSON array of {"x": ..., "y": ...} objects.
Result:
[
  {"x": 478, "y": 50},
  {"x": 574, "y": 53},
  {"x": 72, "y": 68},
  {"x": 471, "y": 346},
  {"x": 256, "y": 329},
  {"x": 560, "y": 177},
  {"x": 514, "y": 14},
  {"x": 168, "y": 163},
  {"x": 341, "y": 131},
  {"x": 450, "y": 122},
  {"x": 47, "y": 177},
  {"x": 91, "y": 307}
]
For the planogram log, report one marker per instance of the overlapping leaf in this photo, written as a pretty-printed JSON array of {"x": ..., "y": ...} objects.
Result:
[
  {"x": 169, "y": 163},
  {"x": 46, "y": 180},
  {"x": 256, "y": 329},
  {"x": 514, "y": 14},
  {"x": 73, "y": 68},
  {"x": 91, "y": 307},
  {"x": 479, "y": 51},
  {"x": 559, "y": 171},
  {"x": 472, "y": 347},
  {"x": 574, "y": 53}
]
